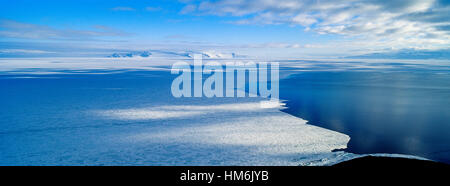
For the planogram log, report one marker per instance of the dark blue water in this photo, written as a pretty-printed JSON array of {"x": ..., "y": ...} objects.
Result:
[{"x": 402, "y": 110}]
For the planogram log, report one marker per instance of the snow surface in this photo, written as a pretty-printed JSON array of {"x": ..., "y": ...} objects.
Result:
[
  {"x": 237, "y": 134},
  {"x": 233, "y": 134}
]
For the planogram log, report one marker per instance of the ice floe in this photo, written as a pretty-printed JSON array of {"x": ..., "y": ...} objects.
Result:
[{"x": 255, "y": 135}]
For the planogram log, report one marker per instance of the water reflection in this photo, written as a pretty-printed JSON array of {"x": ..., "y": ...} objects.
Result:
[{"x": 406, "y": 110}]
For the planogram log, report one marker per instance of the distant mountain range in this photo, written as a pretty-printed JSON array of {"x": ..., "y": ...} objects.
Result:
[
  {"x": 406, "y": 54},
  {"x": 130, "y": 54},
  {"x": 162, "y": 53},
  {"x": 397, "y": 54}
]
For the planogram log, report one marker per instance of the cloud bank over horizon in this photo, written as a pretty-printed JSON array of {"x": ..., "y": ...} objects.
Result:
[
  {"x": 396, "y": 23},
  {"x": 259, "y": 28}
]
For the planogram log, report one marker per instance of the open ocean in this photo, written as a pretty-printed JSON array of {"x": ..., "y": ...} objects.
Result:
[{"x": 385, "y": 107}]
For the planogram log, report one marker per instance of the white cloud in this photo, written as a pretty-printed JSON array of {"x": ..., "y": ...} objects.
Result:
[
  {"x": 14, "y": 29},
  {"x": 25, "y": 51},
  {"x": 188, "y": 9},
  {"x": 419, "y": 23},
  {"x": 304, "y": 19}
]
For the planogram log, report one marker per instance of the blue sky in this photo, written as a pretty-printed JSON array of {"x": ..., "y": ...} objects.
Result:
[{"x": 283, "y": 27}]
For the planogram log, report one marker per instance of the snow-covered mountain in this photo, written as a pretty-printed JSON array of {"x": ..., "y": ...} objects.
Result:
[
  {"x": 182, "y": 54},
  {"x": 130, "y": 54},
  {"x": 218, "y": 55}
]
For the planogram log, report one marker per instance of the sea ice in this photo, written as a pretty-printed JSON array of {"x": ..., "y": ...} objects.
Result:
[{"x": 211, "y": 131}]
